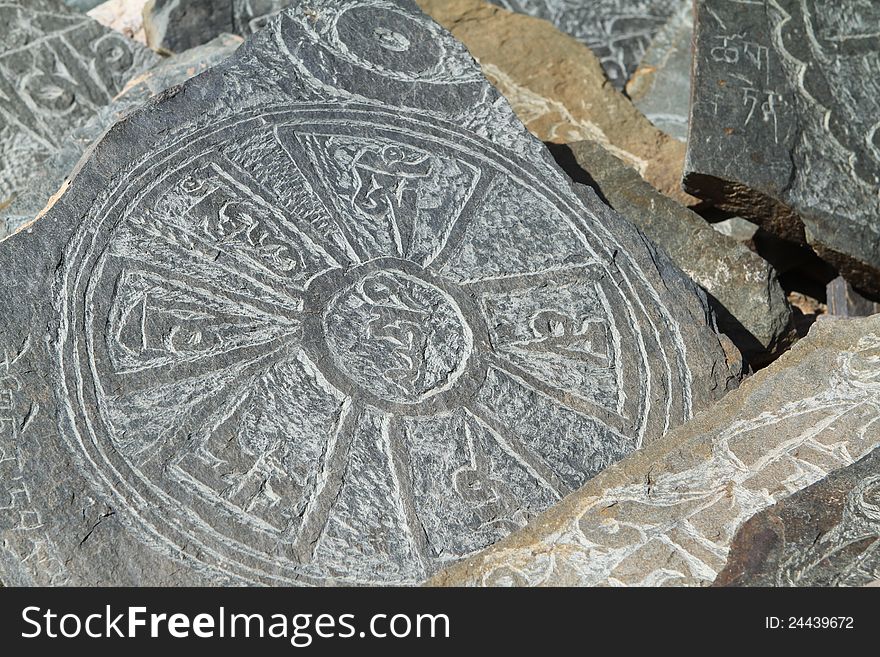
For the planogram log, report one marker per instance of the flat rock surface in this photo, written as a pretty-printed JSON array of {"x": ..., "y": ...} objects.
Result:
[
  {"x": 57, "y": 169},
  {"x": 326, "y": 313},
  {"x": 826, "y": 535},
  {"x": 57, "y": 68},
  {"x": 750, "y": 303},
  {"x": 178, "y": 25},
  {"x": 667, "y": 514},
  {"x": 618, "y": 31},
  {"x": 558, "y": 89},
  {"x": 784, "y": 123},
  {"x": 661, "y": 85}
]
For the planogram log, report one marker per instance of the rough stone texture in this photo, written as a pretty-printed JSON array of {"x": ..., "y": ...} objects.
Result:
[
  {"x": 751, "y": 305},
  {"x": 558, "y": 89},
  {"x": 57, "y": 68},
  {"x": 57, "y": 169},
  {"x": 661, "y": 85},
  {"x": 326, "y": 313},
  {"x": 826, "y": 535},
  {"x": 80, "y": 5},
  {"x": 178, "y": 25},
  {"x": 844, "y": 301},
  {"x": 618, "y": 31},
  {"x": 784, "y": 123},
  {"x": 666, "y": 515},
  {"x": 124, "y": 16}
]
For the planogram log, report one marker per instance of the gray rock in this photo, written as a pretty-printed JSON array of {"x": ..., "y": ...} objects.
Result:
[
  {"x": 844, "y": 301},
  {"x": 742, "y": 230},
  {"x": 57, "y": 68},
  {"x": 749, "y": 301},
  {"x": 82, "y": 5},
  {"x": 826, "y": 535},
  {"x": 661, "y": 85},
  {"x": 784, "y": 123},
  {"x": 618, "y": 31},
  {"x": 327, "y": 313},
  {"x": 56, "y": 169},
  {"x": 178, "y": 25},
  {"x": 666, "y": 515}
]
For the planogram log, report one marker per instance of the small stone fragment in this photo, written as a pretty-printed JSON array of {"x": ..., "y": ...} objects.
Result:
[
  {"x": 750, "y": 304},
  {"x": 844, "y": 301},
  {"x": 661, "y": 85},
  {"x": 825, "y": 535},
  {"x": 667, "y": 514},
  {"x": 784, "y": 124},
  {"x": 557, "y": 88}
]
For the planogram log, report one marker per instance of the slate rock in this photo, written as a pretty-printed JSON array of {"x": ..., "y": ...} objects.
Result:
[
  {"x": 783, "y": 124},
  {"x": 826, "y": 535},
  {"x": 557, "y": 88},
  {"x": 661, "y": 85},
  {"x": 667, "y": 514},
  {"x": 57, "y": 68},
  {"x": 327, "y": 313},
  {"x": 749, "y": 301},
  {"x": 178, "y": 25},
  {"x": 844, "y": 301},
  {"x": 56, "y": 170},
  {"x": 618, "y": 31},
  {"x": 81, "y": 5}
]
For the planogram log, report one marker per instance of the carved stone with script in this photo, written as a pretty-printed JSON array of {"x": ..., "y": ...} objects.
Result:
[
  {"x": 667, "y": 514},
  {"x": 784, "y": 124},
  {"x": 327, "y": 313},
  {"x": 178, "y": 25},
  {"x": 618, "y": 31},
  {"x": 826, "y": 535},
  {"x": 57, "y": 68}
]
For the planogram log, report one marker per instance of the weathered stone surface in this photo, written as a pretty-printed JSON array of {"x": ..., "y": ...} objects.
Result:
[
  {"x": 618, "y": 31},
  {"x": 57, "y": 68},
  {"x": 783, "y": 124},
  {"x": 178, "y": 25},
  {"x": 751, "y": 305},
  {"x": 124, "y": 16},
  {"x": 557, "y": 88},
  {"x": 826, "y": 535},
  {"x": 661, "y": 85},
  {"x": 57, "y": 169},
  {"x": 666, "y": 514},
  {"x": 844, "y": 301},
  {"x": 80, "y": 5},
  {"x": 326, "y": 313}
]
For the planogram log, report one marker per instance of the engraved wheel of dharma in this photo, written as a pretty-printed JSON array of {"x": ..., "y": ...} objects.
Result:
[{"x": 313, "y": 344}]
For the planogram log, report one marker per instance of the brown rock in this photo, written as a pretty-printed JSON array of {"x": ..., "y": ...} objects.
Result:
[{"x": 558, "y": 89}]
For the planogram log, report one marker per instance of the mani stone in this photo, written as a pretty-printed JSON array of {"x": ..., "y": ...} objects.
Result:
[
  {"x": 661, "y": 85},
  {"x": 744, "y": 288},
  {"x": 177, "y": 25},
  {"x": 557, "y": 88},
  {"x": 325, "y": 313},
  {"x": 666, "y": 515},
  {"x": 57, "y": 68},
  {"x": 58, "y": 168},
  {"x": 826, "y": 535},
  {"x": 618, "y": 31},
  {"x": 784, "y": 124}
]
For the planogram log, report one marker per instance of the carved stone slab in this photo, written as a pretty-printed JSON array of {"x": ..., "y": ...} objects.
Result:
[
  {"x": 661, "y": 85},
  {"x": 57, "y": 68},
  {"x": 178, "y": 25},
  {"x": 749, "y": 301},
  {"x": 57, "y": 169},
  {"x": 784, "y": 123},
  {"x": 558, "y": 89},
  {"x": 667, "y": 514},
  {"x": 826, "y": 535},
  {"x": 327, "y": 313}
]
